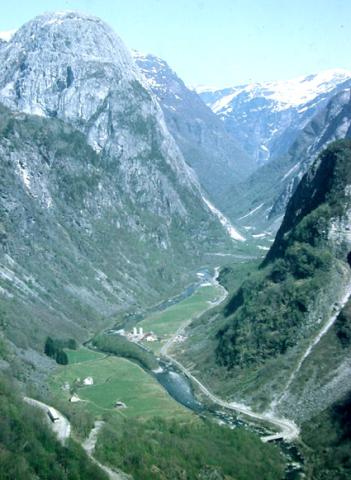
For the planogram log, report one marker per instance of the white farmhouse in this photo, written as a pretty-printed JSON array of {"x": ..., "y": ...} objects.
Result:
[
  {"x": 88, "y": 381},
  {"x": 74, "y": 398},
  {"x": 150, "y": 337}
]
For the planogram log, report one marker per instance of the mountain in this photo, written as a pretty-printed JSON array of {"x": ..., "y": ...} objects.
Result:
[
  {"x": 265, "y": 118},
  {"x": 327, "y": 435},
  {"x": 281, "y": 343},
  {"x": 98, "y": 208},
  {"x": 102, "y": 214},
  {"x": 201, "y": 136},
  {"x": 6, "y": 35},
  {"x": 263, "y": 197}
]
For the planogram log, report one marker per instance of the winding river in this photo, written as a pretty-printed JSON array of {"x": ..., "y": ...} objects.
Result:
[{"x": 179, "y": 386}]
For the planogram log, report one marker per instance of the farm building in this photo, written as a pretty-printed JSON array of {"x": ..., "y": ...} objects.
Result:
[
  {"x": 74, "y": 398},
  {"x": 150, "y": 337},
  {"x": 88, "y": 381}
]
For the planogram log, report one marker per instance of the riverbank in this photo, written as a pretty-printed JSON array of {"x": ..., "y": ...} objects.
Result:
[{"x": 110, "y": 386}]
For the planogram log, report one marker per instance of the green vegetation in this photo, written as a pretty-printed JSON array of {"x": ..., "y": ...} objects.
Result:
[
  {"x": 83, "y": 355},
  {"x": 115, "y": 379},
  {"x": 28, "y": 450},
  {"x": 232, "y": 276},
  {"x": 327, "y": 438},
  {"x": 170, "y": 450},
  {"x": 54, "y": 349},
  {"x": 118, "y": 345},
  {"x": 165, "y": 324},
  {"x": 61, "y": 357},
  {"x": 264, "y": 318},
  {"x": 343, "y": 326},
  {"x": 266, "y": 313},
  {"x": 154, "y": 437},
  {"x": 320, "y": 196}
]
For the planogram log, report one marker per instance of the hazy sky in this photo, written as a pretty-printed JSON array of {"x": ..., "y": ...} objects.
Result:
[{"x": 220, "y": 42}]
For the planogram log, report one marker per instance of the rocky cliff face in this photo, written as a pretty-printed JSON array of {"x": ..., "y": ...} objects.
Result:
[
  {"x": 98, "y": 207},
  {"x": 216, "y": 158},
  {"x": 266, "y": 117},
  {"x": 89, "y": 81}
]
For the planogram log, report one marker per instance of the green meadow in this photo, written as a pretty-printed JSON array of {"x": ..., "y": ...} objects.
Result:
[
  {"x": 83, "y": 355},
  {"x": 115, "y": 379},
  {"x": 118, "y": 379},
  {"x": 166, "y": 323}
]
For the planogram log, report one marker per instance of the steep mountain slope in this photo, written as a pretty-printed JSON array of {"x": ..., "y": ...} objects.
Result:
[
  {"x": 207, "y": 147},
  {"x": 272, "y": 345},
  {"x": 266, "y": 117},
  {"x": 328, "y": 434},
  {"x": 30, "y": 451},
  {"x": 98, "y": 208},
  {"x": 264, "y": 196}
]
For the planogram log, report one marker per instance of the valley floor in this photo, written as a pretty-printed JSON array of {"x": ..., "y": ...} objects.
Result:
[{"x": 138, "y": 393}]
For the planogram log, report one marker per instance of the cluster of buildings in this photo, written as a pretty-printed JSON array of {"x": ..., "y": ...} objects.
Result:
[{"x": 138, "y": 335}]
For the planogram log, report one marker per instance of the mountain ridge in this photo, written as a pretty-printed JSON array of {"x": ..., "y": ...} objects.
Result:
[
  {"x": 215, "y": 157},
  {"x": 265, "y": 194},
  {"x": 96, "y": 170},
  {"x": 266, "y": 117}
]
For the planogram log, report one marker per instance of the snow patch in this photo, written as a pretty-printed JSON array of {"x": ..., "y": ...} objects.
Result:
[
  {"x": 25, "y": 177},
  {"x": 251, "y": 212},
  {"x": 293, "y": 93},
  {"x": 8, "y": 89},
  {"x": 223, "y": 103},
  {"x": 7, "y": 34},
  {"x": 343, "y": 128},
  {"x": 233, "y": 233}
]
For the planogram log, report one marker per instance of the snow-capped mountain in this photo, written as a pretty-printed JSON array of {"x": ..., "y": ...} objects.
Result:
[
  {"x": 215, "y": 157},
  {"x": 264, "y": 196},
  {"x": 6, "y": 36},
  {"x": 98, "y": 209},
  {"x": 266, "y": 117}
]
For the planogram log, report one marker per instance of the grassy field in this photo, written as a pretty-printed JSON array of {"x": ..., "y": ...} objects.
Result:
[
  {"x": 83, "y": 355},
  {"x": 118, "y": 379},
  {"x": 165, "y": 324},
  {"x": 115, "y": 379}
]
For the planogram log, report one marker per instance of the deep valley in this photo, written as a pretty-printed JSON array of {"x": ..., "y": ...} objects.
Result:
[{"x": 175, "y": 266}]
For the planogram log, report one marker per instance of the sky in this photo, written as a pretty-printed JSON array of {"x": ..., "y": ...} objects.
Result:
[{"x": 219, "y": 42}]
